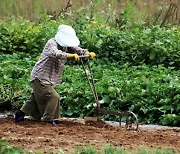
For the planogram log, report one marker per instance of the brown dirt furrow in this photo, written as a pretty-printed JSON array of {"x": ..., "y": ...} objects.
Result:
[{"x": 42, "y": 137}]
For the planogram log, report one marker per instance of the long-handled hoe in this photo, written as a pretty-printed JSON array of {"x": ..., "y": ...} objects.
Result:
[{"x": 131, "y": 120}]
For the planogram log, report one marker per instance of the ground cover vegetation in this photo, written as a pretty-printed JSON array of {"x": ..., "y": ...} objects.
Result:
[
  {"x": 5, "y": 148},
  {"x": 136, "y": 69}
]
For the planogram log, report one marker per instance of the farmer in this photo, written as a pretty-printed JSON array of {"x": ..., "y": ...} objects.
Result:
[{"x": 44, "y": 101}]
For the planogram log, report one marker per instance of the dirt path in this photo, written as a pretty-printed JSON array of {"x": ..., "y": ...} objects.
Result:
[{"x": 39, "y": 136}]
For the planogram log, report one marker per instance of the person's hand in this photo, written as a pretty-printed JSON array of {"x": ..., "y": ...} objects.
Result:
[
  {"x": 90, "y": 54},
  {"x": 73, "y": 56}
]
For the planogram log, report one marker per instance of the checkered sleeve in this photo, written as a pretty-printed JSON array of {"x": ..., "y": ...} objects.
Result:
[
  {"x": 51, "y": 50},
  {"x": 77, "y": 50}
]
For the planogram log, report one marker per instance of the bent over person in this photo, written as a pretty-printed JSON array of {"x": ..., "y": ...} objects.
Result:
[{"x": 44, "y": 102}]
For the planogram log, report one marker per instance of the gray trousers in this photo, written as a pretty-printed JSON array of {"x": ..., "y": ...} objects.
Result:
[{"x": 44, "y": 102}]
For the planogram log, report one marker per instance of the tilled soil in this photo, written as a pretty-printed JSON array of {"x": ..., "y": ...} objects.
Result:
[{"x": 68, "y": 134}]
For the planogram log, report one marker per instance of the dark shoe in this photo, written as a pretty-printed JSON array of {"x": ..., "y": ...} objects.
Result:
[
  {"x": 53, "y": 122},
  {"x": 19, "y": 116}
]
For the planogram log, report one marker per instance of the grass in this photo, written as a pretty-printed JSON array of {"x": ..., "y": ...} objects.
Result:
[
  {"x": 119, "y": 150},
  {"x": 33, "y": 9},
  {"x": 151, "y": 12},
  {"x": 109, "y": 149}
]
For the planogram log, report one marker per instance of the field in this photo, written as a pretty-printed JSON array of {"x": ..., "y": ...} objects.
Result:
[
  {"x": 136, "y": 69},
  {"x": 151, "y": 11},
  {"x": 67, "y": 135}
]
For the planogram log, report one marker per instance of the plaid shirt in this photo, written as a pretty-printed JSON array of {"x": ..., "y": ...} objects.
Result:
[{"x": 49, "y": 67}]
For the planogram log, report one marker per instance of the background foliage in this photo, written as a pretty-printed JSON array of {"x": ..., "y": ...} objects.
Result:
[{"x": 137, "y": 45}]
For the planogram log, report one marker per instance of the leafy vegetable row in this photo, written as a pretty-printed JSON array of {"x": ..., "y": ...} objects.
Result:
[{"x": 152, "y": 92}]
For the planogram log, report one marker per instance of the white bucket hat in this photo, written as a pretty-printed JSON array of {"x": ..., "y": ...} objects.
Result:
[{"x": 66, "y": 36}]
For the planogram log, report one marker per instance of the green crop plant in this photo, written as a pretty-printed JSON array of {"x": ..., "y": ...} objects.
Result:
[
  {"x": 5, "y": 148},
  {"x": 152, "y": 92}
]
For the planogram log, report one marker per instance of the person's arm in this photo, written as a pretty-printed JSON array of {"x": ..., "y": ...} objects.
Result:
[
  {"x": 77, "y": 50},
  {"x": 81, "y": 51},
  {"x": 51, "y": 50}
]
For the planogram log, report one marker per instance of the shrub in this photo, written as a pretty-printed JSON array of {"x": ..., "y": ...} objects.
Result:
[
  {"x": 137, "y": 46},
  {"x": 155, "y": 45},
  {"x": 25, "y": 36}
]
